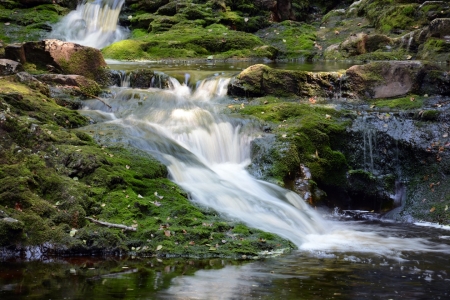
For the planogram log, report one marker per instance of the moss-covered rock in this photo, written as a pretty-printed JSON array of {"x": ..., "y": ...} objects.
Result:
[
  {"x": 64, "y": 57},
  {"x": 184, "y": 41},
  {"x": 261, "y": 80}
]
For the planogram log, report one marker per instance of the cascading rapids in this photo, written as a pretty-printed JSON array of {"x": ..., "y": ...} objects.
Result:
[
  {"x": 206, "y": 154},
  {"x": 93, "y": 23}
]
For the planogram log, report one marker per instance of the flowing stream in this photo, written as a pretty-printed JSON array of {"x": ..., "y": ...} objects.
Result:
[{"x": 206, "y": 153}]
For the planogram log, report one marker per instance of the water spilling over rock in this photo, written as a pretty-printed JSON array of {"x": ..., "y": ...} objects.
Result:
[
  {"x": 93, "y": 23},
  {"x": 206, "y": 153}
]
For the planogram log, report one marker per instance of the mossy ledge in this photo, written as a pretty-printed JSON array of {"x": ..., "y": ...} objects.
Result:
[{"x": 53, "y": 176}]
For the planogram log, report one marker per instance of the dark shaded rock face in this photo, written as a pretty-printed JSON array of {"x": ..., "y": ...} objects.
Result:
[
  {"x": 62, "y": 57},
  {"x": 401, "y": 159}
]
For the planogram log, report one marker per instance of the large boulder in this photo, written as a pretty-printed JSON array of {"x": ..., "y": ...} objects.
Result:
[
  {"x": 439, "y": 27},
  {"x": 63, "y": 57},
  {"x": 9, "y": 67},
  {"x": 261, "y": 80},
  {"x": 385, "y": 79}
]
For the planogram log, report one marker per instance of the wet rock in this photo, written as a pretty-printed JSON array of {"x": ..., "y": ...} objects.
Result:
[
  {"x": 9, "y": 67},
  {"x": 65, "y": 57},
  {"x": 436, "y": 82},
  {"x": 145, "y": 79},
  {"x": 78, "y": 82}
]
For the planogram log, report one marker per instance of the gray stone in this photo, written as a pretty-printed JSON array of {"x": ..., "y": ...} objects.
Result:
[{"x": 9, "y": 67}]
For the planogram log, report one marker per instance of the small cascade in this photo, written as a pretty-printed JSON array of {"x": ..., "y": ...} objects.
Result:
[
  {"x": 93, "y": 23},
  {"x": 410, "y": 39},
  {"x": 206, "y": 153},
  {"x": 369, "y": 146},
  {"x": 124, "y": 79}
]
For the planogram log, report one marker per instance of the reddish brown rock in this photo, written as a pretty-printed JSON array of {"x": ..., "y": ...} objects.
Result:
[{"x": 64, "y": 57}]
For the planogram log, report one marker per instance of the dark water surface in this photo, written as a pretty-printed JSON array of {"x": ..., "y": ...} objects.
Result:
[{"x": 371, "y": 273}]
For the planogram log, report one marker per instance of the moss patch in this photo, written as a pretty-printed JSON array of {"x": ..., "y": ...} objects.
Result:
[
  {"x": 308, "y": 134},
  {"x": 185, "y": 42}
]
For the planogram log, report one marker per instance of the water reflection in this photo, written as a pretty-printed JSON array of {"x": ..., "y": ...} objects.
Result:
[{"x": 312, "y": 274}]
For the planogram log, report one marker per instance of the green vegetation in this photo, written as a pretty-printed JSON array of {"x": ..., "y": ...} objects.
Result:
[
  {"x": 53, "y": 175},
  {"x": 408, "y": 102},
  {"x": 308, "y": 134},
  {"x": 388, "y": 16},
  {"x": 20, "y": 25},
  {"x": 181, "y": 42}
]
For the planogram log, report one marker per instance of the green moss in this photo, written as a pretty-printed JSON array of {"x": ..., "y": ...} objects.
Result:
[
  {"x": 305, "y": 136},
  {"x": 184, "y": 42},
  {"x": 408, "y": 102},
  {"x": 388, "y": 16},
  {"x": 293, "y": 39},
  {"x": 430, "y": 115}
]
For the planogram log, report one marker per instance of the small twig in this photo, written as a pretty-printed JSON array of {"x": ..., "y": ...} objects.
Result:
[
  {"x": 111, "y": 224},
  {"x": 99, "y": 99}
]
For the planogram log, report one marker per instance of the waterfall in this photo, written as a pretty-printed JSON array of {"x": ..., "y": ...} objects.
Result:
[
  {"x": 93, "y": 23},
  {"x": 206, "y": 153}
]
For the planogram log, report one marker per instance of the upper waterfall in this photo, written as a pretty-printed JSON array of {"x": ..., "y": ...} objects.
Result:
[{"x": 93, "y": 23}]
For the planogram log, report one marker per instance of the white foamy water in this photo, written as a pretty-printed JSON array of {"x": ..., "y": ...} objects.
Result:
[
  {"x": 93, "y": 23},
  {"x": 206, "y": 154}
]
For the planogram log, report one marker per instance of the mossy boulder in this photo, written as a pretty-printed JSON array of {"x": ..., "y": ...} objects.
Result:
[
  {"x": 64, "y": 57},
  {"x": 261, "y": 80},
  {"x": 186, "y": 41}
]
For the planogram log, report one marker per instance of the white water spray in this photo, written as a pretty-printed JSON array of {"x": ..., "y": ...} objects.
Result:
[
  {"x": 206, "y": 154},
  {"x": 93, "y": 23}
]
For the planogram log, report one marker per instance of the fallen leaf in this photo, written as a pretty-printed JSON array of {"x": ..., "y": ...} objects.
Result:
[
  {"x": 192, "y": 243},
  {"x": 159, "y": 247},
  {"x": 140, "y": 196},
  {"x": 127, "y": 166},
  {"x": 167, "y": 233},
  {"x": 103, "y": 204},
  {"x": 212, "y": 249},
  {"x": 446, "y": 207},
  {"x": 432, "y": 209},
  {"x": 73, "y": 232}
]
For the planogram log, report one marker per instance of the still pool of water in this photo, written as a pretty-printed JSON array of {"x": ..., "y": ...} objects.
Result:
[
  {"x": 379, "y": 273},
  {"x": 198, "y": 70}
]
